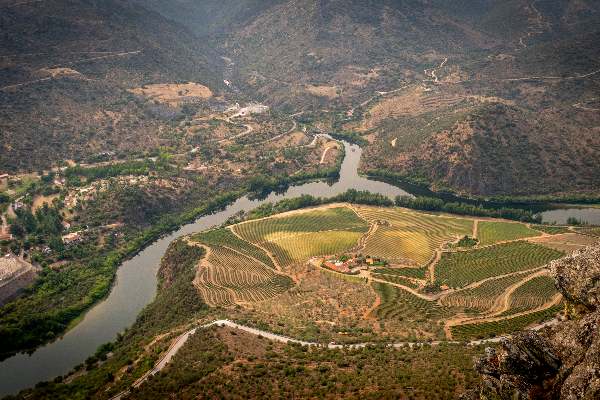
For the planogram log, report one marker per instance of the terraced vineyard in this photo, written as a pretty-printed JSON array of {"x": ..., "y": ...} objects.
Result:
[
  {"x": 397, "y": 303},
  {"x": 304, "y": 235},
  {"x": 493, "y": 232},
  {"x": 589, "y": 230},
  {"x": 416, "y": 273},
  {"x": 411, "y": 235},
  {"x": 229, "y": 276},
  {"x": 505, "y": 326},
  {"x": 531, "y": 295},
  {"x": 292, "y": 249},
  {"x": 465, "y": 267},
  {"x": 224, "y": 237},
  {"x": 482, "y": 297},
  {"x": 552, "y": 230},
  {"x": 400, "y": 280},
  {"x": 278, "y": 227},
  {"x": 239, "y": 268}
]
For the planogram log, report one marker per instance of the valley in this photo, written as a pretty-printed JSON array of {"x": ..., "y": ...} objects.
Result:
[{"x": 386, "y": 183}]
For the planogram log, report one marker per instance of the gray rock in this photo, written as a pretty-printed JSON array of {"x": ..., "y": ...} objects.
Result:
[{"x": 566, "y": 363}]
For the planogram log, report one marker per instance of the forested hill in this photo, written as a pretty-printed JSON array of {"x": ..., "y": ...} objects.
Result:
[
  {"x": 315, "y": 40},
  {"x": 52, "y": 33},
  {"x": 66, "y": 66},
  {"x": 321, "y": 42}
]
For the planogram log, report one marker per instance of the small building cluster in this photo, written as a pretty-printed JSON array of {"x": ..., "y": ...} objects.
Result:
[
  {"x": 84, "y": 195},
  {"x": 74, "y": 197},
  {"x": 339, "y": 266},
  {"x": 71, "y": 239},
  {"x": 5, "y": 234}
]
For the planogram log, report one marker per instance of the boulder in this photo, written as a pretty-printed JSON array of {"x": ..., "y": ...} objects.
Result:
[{"x": 563, "y": 362}]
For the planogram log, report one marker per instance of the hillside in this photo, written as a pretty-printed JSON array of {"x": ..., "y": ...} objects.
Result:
[
  {"x": 65, "y": 67},
  {"x": 526, "y": 22},
  {"x": 322, "y": 53},
  {"x": 284, "y": 49},
  {"x": 521, "y": 123},
  {"x": 493, "y": 148}
]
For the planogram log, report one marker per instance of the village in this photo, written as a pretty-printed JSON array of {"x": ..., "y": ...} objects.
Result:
[{"x": 75, "y": 197}]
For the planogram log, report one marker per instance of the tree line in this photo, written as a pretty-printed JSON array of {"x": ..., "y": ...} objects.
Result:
[{"x": 433, "y": 204}]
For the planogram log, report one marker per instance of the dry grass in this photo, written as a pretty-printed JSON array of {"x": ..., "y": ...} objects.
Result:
[
  {"x": 173, "y": 92},
  {"x": 566, "y": 242}
]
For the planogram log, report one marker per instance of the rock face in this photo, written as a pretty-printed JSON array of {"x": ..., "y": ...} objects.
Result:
[{"x": 564, "y": 361}]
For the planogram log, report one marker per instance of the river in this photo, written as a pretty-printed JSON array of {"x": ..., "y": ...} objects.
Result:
[{"x": 136, "y": 279}]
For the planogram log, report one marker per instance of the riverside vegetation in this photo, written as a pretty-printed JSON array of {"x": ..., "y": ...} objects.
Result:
[{"x": 316, "y": 305}]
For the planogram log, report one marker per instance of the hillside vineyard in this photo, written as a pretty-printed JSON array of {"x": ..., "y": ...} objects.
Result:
[{"x": 299, "y": 199}]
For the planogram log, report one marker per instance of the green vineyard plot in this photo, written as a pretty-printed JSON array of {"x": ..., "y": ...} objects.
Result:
[
  {"x": 465, "y": 267},
  {"x": 494, "y": 232},
  {"x": 399, "y": 303},
  {"x": 269, "y": 229},
  {"x": 502, "y": 327},
  {"x": 224, "y": 237},
  {"x": 232, "y": 274},
  {"x": 552, "y": 230},
  {"x": 408, "y": 235},
  {"x": 482, "y": 297},
  {"x": 531, "y": 295},
  {"x": 289, "y": 250},
  {"x": 303, "y": 235}
]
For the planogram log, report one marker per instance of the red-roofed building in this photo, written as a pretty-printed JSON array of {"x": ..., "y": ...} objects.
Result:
[
  {"x": 71, "y": 240},
  {"x": 336, "y": 268},
  {"x": 66, "y": 225}
]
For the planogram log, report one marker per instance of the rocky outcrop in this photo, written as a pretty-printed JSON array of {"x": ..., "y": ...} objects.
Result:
[
  {"x": 10, "y": 290},
  {"x": 563, "y": 362}
]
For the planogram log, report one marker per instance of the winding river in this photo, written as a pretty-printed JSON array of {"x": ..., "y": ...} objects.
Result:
[{"x": 136, "y": 279}]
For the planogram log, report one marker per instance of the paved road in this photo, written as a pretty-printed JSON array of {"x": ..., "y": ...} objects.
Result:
[{"x": 183, "y": 338}]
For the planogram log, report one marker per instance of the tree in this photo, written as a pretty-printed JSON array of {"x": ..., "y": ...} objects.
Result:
[{"x": 16, "y": 229}]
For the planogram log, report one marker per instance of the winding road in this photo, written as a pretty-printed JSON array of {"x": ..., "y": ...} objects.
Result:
[{"x": 223, "y": 322}]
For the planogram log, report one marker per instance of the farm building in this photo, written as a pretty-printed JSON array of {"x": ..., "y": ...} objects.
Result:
[
  {"x": 340, "y": 267},
  {"x": 72, "y": 239}
]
